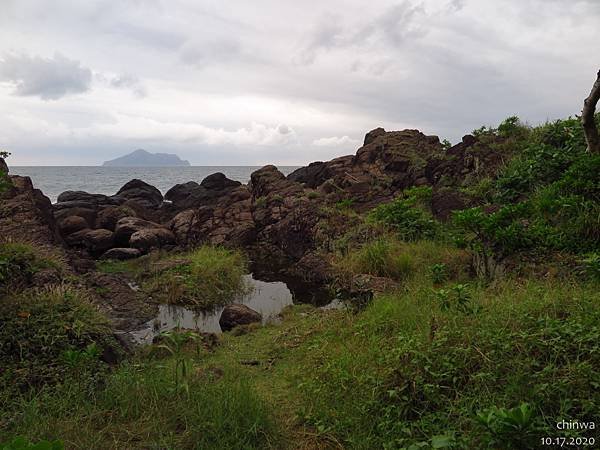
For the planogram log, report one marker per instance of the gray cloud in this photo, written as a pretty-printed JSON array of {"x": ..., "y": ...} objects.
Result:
[
  {"x": 47, "y": 78},
  {"x": 130, "y": 82},
  {"x": 223, "y": 76}
]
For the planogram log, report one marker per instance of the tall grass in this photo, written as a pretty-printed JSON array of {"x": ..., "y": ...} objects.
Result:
[
  {"x": 138, "y": 409},
  {"x": 206, "y": 277},
  {"x": 387, "y": 256}
]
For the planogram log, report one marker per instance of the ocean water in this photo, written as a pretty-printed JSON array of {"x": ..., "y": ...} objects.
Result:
[{"x": 53, "y": 180}]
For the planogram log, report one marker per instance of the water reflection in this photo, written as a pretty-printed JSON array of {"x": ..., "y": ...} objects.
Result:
[{"x": 268, "y": 298}]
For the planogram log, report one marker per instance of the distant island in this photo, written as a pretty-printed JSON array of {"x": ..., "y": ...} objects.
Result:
[{"x": 143, "y": 158}]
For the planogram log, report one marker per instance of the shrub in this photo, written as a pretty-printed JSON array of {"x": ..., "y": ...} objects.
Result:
[{"x": 407, "y": 215}]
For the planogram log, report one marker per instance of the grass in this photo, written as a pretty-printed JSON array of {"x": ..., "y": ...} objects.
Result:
[
  {"x": 387, "y": 256},
  {"x": 206, "y": 277},
  {"x": 20, "y": 260},
  {"x": 138, "y": 408},
  {"x": 38, "y": 327},
  {"x": 413, "y": 368}
]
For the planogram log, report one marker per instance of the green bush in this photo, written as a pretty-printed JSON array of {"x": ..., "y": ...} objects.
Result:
[{"x": 408, "y": 215}]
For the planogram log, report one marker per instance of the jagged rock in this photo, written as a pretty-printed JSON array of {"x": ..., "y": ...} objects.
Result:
[
  {"x": 26, "y": 214},
  {"x": 121, "y": 254},
  {"x": 313, "y": 175},
  {"x": 444, "y": 201},
  {"x": 236, "y": 314},
  {"x": 373, "y": 134},
  {"x": 141, "y": 193},
  {"x": 151, "y": 238},
  {"x": 129, "y": 225},
  {"x": 72, "y": 224},
  {"x": 95, "y": 241},
  {"x": 229, "y": 221}
]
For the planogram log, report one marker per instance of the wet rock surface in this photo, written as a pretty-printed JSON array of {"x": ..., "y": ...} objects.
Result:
[{"x": 236, "y": 314}]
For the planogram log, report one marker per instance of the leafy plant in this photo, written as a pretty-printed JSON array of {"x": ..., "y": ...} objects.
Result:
[
  {"x": 457, "y": 297},
  {"x": 20, "y": 443},
  {"x": 439, "y": 273},
  {"x": 510, "y": 428},
  {"x": 408, "y": 215},
  {"x": 174, "y": 342}
]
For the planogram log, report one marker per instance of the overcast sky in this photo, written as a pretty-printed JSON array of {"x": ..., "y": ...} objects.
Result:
[{"x": 242, "y": 82}]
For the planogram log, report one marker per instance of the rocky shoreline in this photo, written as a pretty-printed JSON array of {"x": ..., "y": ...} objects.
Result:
[{"x": 284, "y": 224}]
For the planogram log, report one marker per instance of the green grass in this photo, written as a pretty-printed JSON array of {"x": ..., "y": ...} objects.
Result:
[
  {"x": 138, "y": 408},
  {"x": 387, "y": 256},
  {"x": 415, "y": 367},
  {"x": 204, "y": 278},
  {"x": 38, "y": 327},
  {"x": 19, "y": 261}
]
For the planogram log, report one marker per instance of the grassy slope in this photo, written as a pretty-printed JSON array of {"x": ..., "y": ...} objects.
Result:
[{"x": 399, "y": 372}]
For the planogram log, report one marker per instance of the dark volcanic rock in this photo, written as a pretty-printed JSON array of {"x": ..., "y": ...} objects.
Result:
[
  {"x": 218, "y": 182},
  {"x": 141, "y": 193},
  {"x": 373, "y": 134},
  {"x": 127, "y": 226},
  {"x": 151, "y": 238},
  {"x": 313, "y": 175},
  {"x": 236, "y": 314},
  {"x": 88, "y": 199},
  {"x": 122, "y": 254},
  {"x": 26, "y": 214},
  {"x": 72, "y": 224},
  {"x": 208, "y": 192},
  {"x": 108, "y": 217},
  {"x": 95, "y": 241}
]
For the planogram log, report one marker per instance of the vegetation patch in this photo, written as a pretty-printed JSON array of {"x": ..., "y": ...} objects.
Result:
[
  {"x": 19, "y": 261},
  {"x": 44, "y": 333},
  {"x": 206, "y": 277}
]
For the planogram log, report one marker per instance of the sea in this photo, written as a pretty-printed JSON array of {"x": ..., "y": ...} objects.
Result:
[{"x": 53, "y": 180}]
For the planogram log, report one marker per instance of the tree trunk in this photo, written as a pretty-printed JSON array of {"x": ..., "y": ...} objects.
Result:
[{"x": 587, "y": 118}]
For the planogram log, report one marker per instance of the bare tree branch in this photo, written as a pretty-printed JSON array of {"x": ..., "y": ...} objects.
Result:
[{"x": 587, "y": 118}]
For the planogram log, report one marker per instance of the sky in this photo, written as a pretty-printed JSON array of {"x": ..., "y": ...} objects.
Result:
[{"x": 279, "y": 81}]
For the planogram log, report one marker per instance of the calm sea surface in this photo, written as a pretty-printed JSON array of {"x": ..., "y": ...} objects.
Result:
[{"x": 53, "y": 180}]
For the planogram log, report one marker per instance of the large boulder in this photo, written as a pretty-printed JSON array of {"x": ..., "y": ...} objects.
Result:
[
  {"x": 26, "y": 214},
  {"x": 237, "y": 314},
  {"x": 219, "y": 182},
  {"x": 108, "y": 217},
  {"x": 151, "y": 238},
  {"x": 121, "y": 254},
  {"x": 229, "y": 221},
  {"x": 94, "y": 241},
  {"x": 141, "y": 193},
  {"x": 72, "y": 224},
  {"x": 208, "y": 192},
  {"x": 89, "y": 199},
  {"x": 127, "y": 226}
]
